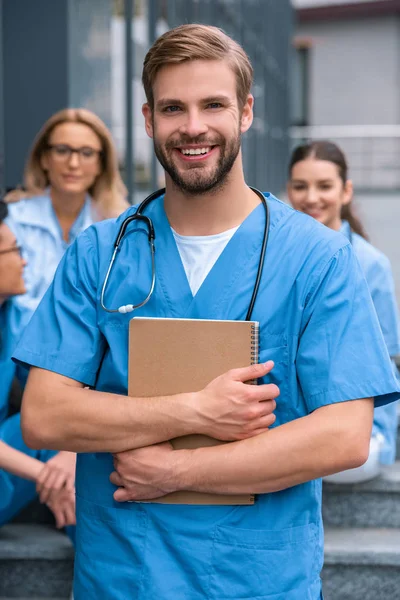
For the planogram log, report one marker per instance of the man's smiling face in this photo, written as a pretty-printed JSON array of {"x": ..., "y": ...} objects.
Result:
[{"x": 196, "y": 123}]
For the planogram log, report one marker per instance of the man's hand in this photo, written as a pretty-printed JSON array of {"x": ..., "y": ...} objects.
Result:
[
  {"x": 145, "y": 473},
  {"x": 57, "y": 473},
  {"x": 230, "y": 409}
]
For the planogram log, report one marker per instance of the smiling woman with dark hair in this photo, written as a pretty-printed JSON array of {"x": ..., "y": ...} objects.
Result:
[
  {"x": 319, "y": 185},
  {"x": 24, "y": 472}
]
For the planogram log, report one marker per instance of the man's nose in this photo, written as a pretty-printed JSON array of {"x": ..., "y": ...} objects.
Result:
[{"x": 193, "y": 125}]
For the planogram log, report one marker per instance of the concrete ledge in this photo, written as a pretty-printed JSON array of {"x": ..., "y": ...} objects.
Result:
[
  {"x": 35, "y": 562},
  {"x": 361, "y": 564},
  {"x": 369, "y": 547},
  {"x": 34, "y": 542},
  {"x": 375, "y": 503}
]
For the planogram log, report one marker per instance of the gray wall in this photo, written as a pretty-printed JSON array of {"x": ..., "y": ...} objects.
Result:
[
  {"x": 55, "y": 54},
  {"x": 89, "y": 56},
  {"x": 354, "y": 71}
]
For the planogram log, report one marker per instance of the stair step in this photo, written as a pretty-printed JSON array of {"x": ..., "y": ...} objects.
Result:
[
  {"x": 35, "y": 561},
  {"x": 361, "y": 564},
  {"x": 374, "y": 503}
]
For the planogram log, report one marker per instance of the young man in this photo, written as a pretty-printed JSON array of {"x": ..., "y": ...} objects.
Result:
[
  {"x": 24, "y": 472},
  {"x": 317, "y": 325}
]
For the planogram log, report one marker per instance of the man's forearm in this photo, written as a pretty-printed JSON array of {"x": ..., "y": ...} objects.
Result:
[
  {"x": 299, "y": 451},
  {"x": 58, "y": 413},
  {"x": 82, "y": 420}
]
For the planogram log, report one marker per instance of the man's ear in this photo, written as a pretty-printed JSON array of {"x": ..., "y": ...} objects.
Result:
[
  {"x": 247, "y": 114},
  {"x": 148, "y": 119}
]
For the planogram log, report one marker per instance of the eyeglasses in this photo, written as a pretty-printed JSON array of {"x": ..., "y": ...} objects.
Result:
[
  {"x": 63, "y": 153},
  {"x": 13, "y": 249}
]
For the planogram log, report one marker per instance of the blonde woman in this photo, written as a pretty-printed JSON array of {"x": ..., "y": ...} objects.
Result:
[{"x": 71, "y": 180}]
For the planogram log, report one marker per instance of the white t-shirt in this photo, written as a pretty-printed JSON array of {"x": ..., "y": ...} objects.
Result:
[{"x": 199, "y": 253}]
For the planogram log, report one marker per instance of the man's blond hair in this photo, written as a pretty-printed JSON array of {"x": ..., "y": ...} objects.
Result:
[{"x": 197, "y": 42}]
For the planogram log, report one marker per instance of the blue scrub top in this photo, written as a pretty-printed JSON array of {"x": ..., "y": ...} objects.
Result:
[
  {"x": 378, "y": 273},
  {"x": 318, "y": 324},
  {"x": 38, "y": 230},
  {"x": 7, "y": 366}
]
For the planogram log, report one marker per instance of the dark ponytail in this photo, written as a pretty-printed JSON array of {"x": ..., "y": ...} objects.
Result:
[{"x": 325, "y": 150}]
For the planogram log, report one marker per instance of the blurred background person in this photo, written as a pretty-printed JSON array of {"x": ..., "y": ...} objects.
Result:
[
  {"x": 319, "y": 186},
  {"x": 71, "y": 180},
  {"x": 24, "y": 473}
]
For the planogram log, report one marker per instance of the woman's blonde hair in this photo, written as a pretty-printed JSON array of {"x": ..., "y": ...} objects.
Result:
[
  {"x": 197, "y": 42},
  {"x": 108, "y": 191}
]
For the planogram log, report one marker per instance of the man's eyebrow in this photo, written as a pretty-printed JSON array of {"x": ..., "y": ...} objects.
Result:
[
  {"x": 168, "y": 102},
  {"x": 219, "y": 98},
  {"x": 163, "y": 102}
]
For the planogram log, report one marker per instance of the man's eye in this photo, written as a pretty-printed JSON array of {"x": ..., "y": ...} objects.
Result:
[
  {"x": 214, "y": 105},
  {"x": 171, "y": 109}
]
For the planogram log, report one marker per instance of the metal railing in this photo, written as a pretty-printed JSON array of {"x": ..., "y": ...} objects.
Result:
[{"x": 372, "y": 151}]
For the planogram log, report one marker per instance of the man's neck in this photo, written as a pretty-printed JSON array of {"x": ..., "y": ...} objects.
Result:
[{"x": 210, "y": 213}]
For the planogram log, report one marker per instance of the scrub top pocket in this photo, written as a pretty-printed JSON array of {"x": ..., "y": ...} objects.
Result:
[
  {"x": 259, "y": 564},
  {"x": 109, "y": 564}
]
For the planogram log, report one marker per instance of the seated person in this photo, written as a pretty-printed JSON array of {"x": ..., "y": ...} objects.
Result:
[{"x": 25, "y": 472}]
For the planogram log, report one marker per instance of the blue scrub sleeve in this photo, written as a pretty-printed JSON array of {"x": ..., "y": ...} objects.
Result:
[
  {"x": 62, "y": 335},
  {"x": 342, "y": 354},
  {"x": 382, "y": 290}
]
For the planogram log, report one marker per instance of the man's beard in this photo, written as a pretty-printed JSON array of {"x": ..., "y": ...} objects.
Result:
[{"x": 197, "y": 179}]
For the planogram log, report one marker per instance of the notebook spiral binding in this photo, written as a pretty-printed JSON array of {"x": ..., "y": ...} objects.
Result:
[{"x": 254, "y": 347}]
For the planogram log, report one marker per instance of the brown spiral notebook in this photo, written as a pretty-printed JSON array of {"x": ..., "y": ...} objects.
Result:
[{"x": 172, "y": 356}]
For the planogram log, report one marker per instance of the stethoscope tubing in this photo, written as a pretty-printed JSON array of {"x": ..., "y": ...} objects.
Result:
[{"x": 138, "y": 216}]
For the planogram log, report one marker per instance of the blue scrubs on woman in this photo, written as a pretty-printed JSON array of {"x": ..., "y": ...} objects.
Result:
[
  {"x": 36, "y": 226},
  {"x": 317, "y": 323},
  {"x": 15, "y": 492},
  {"x": 378, "y": 273}
]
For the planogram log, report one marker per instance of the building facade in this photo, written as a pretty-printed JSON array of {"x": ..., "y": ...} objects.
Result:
[
  {"x": 90, "y": 52},
  {"x": 347, "y": 83}
]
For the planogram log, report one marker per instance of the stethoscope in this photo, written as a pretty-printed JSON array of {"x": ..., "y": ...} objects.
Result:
[{"x": 138, "y": 216}]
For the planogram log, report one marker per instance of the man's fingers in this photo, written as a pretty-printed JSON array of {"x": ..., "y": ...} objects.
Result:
[
  {"x": 252, "y": 372},
  {"x": 265, "y": 392},
  {"x": 121, "y": 495},
  {"x": 116, "y": 479}
]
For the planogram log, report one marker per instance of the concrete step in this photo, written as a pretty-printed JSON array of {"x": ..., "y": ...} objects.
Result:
[
  {"x": 36, "y": 561},
  {"x": 361, "y": 564},
  {"x": 374, "y": 503}
]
